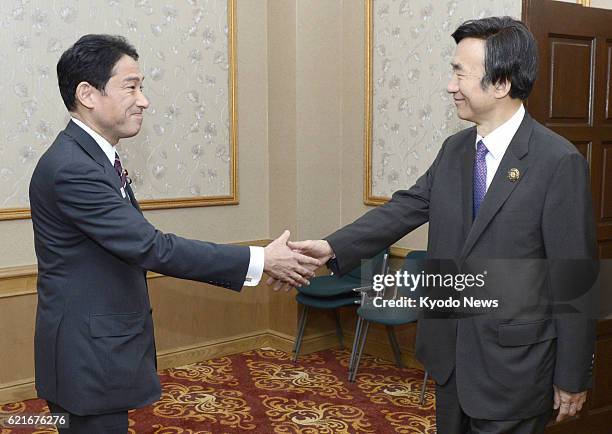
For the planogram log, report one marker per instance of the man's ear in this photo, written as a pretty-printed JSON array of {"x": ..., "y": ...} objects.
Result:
[
  {"x": 85, "y": 94},
  {"x": 502, "y": 88}
]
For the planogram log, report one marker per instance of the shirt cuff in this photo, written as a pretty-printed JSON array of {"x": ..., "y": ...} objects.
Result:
[{"x": 256, "y": 266}]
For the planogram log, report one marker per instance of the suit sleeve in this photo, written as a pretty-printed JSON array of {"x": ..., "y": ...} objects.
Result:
[
  {"x": 86, "y": 198},
  {"x": 568, "y": 229},
  {"x": 384, "y": 225}
]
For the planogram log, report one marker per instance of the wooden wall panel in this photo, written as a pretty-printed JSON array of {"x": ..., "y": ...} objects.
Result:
[
  {"x": 606, "y": 183},
  {"x": 188, "y": 313},
  {"x": 600, "y": 395},
  {"x": 570, "y": 99},
  {"x": 584, "y": 147},
  {"x": 609, "y": 82},
  {"x": 605, "y": 249},
  {"x": 17, "y": 317}
]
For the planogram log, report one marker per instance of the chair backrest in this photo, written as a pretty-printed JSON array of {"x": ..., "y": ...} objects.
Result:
[
  {"x": 369, "y": 267},
  {"x": 414, "y": 263}
]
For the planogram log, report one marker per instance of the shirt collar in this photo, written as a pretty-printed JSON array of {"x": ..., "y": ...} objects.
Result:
[
  {"x": 108, "y": 149},
  {"x": 498, "y": 140}
]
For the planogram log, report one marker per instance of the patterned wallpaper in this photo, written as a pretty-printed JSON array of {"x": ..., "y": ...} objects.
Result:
[
  {"x": 412, "y": 113},
  {"x": 183, "y": 149}
]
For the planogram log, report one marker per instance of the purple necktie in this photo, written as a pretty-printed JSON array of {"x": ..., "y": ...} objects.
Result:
[
  {"x": 120, "y": 171},
  {"x": 480, "y": 175}
]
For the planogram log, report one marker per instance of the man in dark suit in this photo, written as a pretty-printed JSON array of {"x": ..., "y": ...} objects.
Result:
[
  {"x": 94, "y": 344},
  {"x": 507, "y": 188}
]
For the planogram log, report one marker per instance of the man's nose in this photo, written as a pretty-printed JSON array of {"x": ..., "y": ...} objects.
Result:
[
  {"x": 142, "y": 101},
  {"x": 453, "y": 85}
]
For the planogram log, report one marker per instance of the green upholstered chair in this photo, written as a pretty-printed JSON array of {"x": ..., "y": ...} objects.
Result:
[
  {"x": 332, "y": 292},
  {"x": 388, "y": 316}
]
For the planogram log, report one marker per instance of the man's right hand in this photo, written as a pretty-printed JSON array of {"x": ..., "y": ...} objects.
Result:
[
  {"x": 318, "y": 249},
  {"x": 286, "y": 265}
]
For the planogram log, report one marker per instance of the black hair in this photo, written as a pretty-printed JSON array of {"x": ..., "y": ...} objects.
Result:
[
  {"x": 91, "y": 59},
  {"x": 511, "y": 52}
]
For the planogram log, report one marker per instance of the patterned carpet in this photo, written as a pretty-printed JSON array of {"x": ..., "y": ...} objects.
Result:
[{"x": 262, "y": 391}]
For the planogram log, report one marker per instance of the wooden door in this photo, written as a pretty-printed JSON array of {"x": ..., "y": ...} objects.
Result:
[
  {"x": 573, "y": 92},
  {"x": 573, "y": 97}
]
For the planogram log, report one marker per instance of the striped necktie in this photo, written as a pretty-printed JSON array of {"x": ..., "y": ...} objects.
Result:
[{"x": 122, "y": 173}]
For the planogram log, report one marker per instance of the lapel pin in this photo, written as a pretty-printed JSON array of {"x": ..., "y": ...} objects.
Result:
[
  {"x": 514, "y": 174},
  {"x": 127, "y": 178}
]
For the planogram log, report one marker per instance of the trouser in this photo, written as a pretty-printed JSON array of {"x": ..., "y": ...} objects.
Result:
[
  {"x": 111, "y": 423},
  {"x": 450, "y": 418}
]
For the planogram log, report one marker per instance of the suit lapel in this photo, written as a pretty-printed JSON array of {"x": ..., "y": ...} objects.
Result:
[
  {"x": 92, "y": 148},
  {"x": 88, "y": 144},
  {"x": 501, "y": 187},
  {"x": 132, "y": 197}
]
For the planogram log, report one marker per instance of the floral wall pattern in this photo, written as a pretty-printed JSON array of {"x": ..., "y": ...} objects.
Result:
[
  {"x": 412, "y": 113},
  {"x": 184, "y": 149}
]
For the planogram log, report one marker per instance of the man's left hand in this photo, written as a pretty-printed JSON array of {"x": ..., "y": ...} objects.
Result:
[{"x": 569, "y": 404}]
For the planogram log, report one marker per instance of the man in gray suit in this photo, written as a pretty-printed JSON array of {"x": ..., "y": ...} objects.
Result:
[
  {"x": 94, "y": 344},
  {"x": 507, "y": 188}
]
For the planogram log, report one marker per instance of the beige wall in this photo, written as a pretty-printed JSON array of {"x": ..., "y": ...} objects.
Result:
[
  {"x": 247, "y": 221},
  {"x": 282, "y": 116},
  {"x": 300, "y": 109},
  {"x": 305, "y": 116},
  {"x": 316, "y": 112},
  {"x": 353, "y": 97},
  {"x": 319, "y": 116},
  {"x": 300, "y": 117},
  {"x": 603, "y": 4}
]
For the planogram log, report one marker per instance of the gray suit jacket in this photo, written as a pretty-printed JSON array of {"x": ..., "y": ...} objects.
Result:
[
  {"x": 94, "y": 343},
  {"x": 505, "y": 368}
]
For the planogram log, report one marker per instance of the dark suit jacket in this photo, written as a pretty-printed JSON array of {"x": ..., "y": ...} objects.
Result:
[
  {"x": 94, "y": 343},
  {"x": 505, "y": 369}
]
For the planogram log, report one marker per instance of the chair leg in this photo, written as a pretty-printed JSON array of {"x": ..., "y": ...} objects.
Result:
[
  {"x": 360, "y": 351},
  {"x": 425, "y": 377},
  {"x": 358, "y": 328},
  {"x": 395, "y": 346},
  {"x": 300, "y": 335},
  {"x": 339, "y": 329}
]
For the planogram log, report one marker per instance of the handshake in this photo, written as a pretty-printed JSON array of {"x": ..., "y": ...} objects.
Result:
[{"x": 291, "y": 263}]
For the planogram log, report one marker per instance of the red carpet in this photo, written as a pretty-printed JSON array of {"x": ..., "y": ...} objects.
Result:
[{"x": 262, "y": 391}]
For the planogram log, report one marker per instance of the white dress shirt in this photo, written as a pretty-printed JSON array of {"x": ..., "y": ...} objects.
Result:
[
  {"x": 498, "y": 140},
  {"x": 256, "y": 260}
]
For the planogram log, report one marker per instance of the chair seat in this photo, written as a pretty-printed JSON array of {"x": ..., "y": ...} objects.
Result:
[
  {"x": 332, "y": 292},
  {"x": 388, "y": 315},
  {"x": 326, "y": 302},
  {"x": 392, "y": 316},
  {"x": 328, "y": 286}
]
